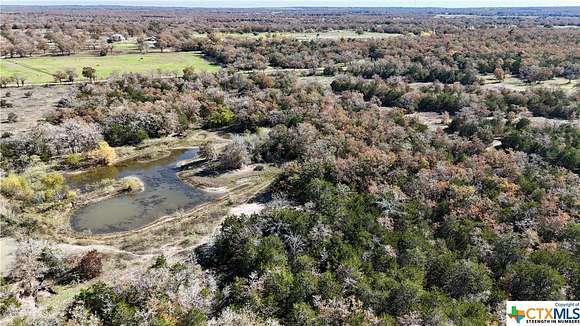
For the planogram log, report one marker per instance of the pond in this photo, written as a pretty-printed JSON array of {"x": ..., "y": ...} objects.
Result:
[{"x": 164, "y": 194}]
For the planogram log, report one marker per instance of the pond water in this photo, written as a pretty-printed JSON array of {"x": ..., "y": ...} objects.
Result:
[{"x": 164, "y": 194}]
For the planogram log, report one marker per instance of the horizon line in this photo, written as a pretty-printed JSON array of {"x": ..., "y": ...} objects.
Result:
[{"x": 285, "y": 7}]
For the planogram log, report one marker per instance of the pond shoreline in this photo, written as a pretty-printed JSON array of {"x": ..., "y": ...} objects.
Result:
[{"x": 166, "y": 193}]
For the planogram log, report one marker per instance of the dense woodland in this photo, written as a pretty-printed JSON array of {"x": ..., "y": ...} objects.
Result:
[
  {"x": 377, "y": 218},
  {"x": 438, "y": 49}
]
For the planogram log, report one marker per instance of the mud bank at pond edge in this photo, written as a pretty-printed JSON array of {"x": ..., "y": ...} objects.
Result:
[{"x": 8, "y": 247}]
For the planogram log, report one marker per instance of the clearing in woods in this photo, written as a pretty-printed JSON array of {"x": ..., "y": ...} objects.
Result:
[
  {"x": 307, "y": 36},
  {"x": 42, "y": 69}
]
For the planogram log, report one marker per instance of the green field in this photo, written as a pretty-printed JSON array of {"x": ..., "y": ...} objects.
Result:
[
  {"x": 128, "y": 45},
  {"x": 41, "y": 69}
]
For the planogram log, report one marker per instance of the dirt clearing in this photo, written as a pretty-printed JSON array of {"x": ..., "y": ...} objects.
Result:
[{"x": 30, "y": 104}]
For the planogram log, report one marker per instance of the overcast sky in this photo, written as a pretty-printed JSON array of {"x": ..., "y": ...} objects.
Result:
[{"x": 290, "y": 3}]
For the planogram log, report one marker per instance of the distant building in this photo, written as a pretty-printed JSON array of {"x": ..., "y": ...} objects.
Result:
[{"x": 117, "y": 38}]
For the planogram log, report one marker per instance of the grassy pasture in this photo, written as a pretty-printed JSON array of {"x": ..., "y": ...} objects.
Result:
[
  {"x": 127, "y": 45},
  {"x": 130, "y": 46},
  {"x": 41, "y": 69},
  {"x": 516, "y": 84},
  {"x": 339, "y": 35}
]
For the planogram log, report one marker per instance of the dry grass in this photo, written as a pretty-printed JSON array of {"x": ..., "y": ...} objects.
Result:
[
  {"x": 31, "y": 109},
  {"x": 516, "y": 84},
  {"x": 332, "y": 35},
  {"x": 174, "y": 236}
]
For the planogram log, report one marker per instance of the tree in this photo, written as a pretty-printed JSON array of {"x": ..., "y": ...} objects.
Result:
[
  {"x": 71, "y": 75},
  {"x": 468, "y": 77},
  {"x": 188, "y": 73},
  {"x": 499, "y": 74},
  {"x": 534, "y": 73},
  {"x": 90, "y": 73},
  {"x": 19, "y": 79},
  {"x": 95, "y": 37},
  {"x": 531, "y": 281},
  {"x": 42, "y": 45},
  {"x": 507, "y": 250},
  {"x": 28, "y": 265},
  {"x": 63, "y": 43},
  {"x": 4, "y": 81},
  {"x": 59, "y": 76},
  {"x": 142, "y": 44},
  {"x": 403, "y": 298},
  {"x": 571, "y": 72},
  {"x": 235, "y": 155},
  {"x": 71, "y": 136},
  {"x": 467, "y": 278},
  {"x": 165, "y": 40}
]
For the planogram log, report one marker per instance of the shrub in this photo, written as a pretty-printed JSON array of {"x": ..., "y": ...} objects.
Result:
[
  {"x": 12, "y": 117},
  {"x": 71, "y": 74},
  {"x": 472, "y": 276},
  {"x": 7, "y": 303},
  {"x": 90, "y": 265},
  {"x": 99, "y": 299},
  {"x": 189, "y": 73},
  {"x": 15, "y": 186},
  {"x": 208, "y": 151},
  {"x": 160, "y": 262},
  {"x": 195, "y": 317},
  {"x": 506, "y": 251},
  {"x": 132, "y": 184},
  {"x": 53, "y": 180},
  {"x": 220, "y": 117},
  {"x": 59, "y": 76},
  {"x": 71, "y": 195},
  {"x": 551, "y": 104},
  {"x": 73, "y": 160},
  {"x": 105, "y": 154},
  {"x": 54, "y": 261},
  {"x": 235, "y": 155},
  {"x": 53, "y": 184},
  {"x": 90, "y": 73},
  {"x": 329, "y": 71},
  {"x": 132, "y": 125},
  {"x": 5, "y": 104}
]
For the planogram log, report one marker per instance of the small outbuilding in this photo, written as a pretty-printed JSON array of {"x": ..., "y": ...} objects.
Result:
[{"x": 117, "y": 38}]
